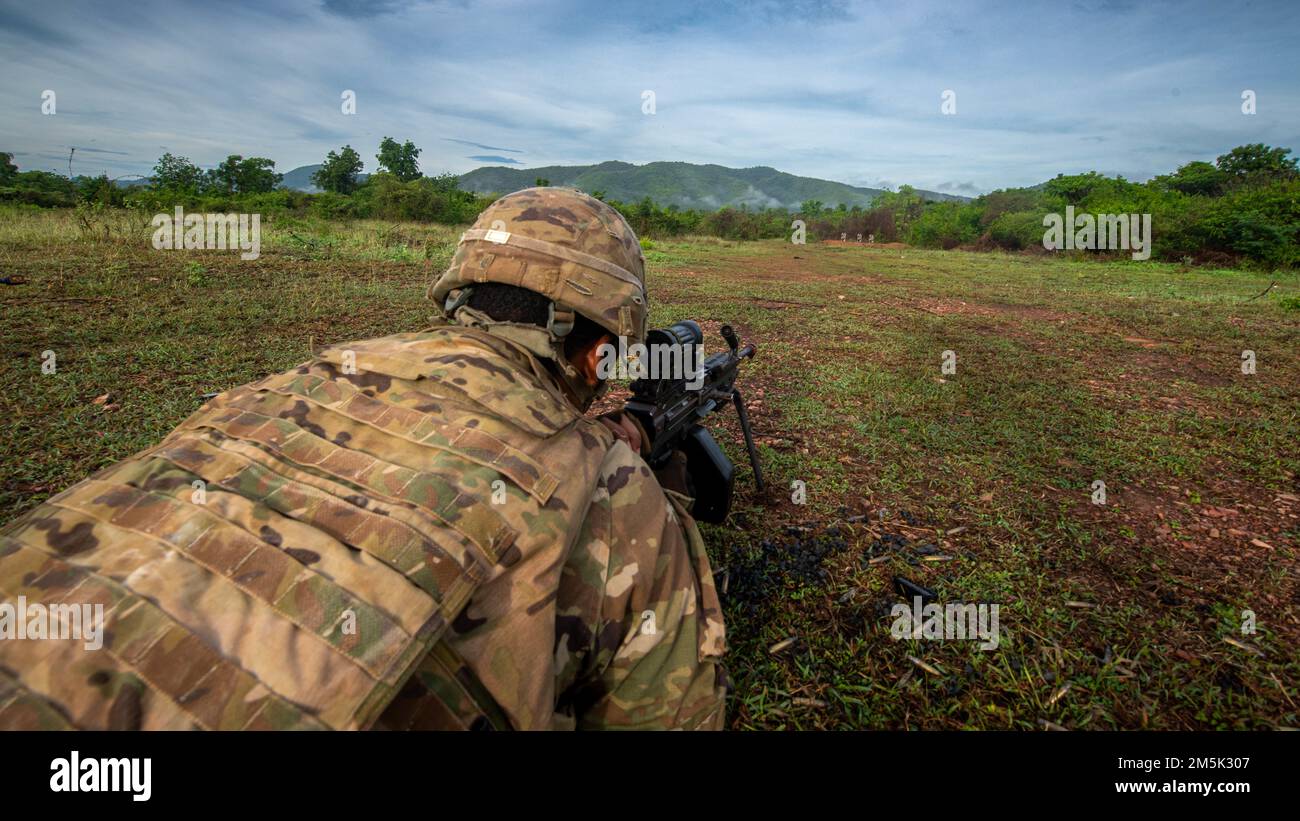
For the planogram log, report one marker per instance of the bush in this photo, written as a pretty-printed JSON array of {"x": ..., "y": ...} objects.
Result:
[
  {"x": 43, "y": 199},
  {"x": 1261, "y": 224},
  {"x": 1017, "y": 231},
  {"x": 332, "y": 206},
  {"x": 427, "y": 199},
  {"x": 945, "y": 225}
]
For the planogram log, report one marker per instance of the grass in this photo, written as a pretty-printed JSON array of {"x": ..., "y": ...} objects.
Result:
[{"x": 1069, "y": 371}]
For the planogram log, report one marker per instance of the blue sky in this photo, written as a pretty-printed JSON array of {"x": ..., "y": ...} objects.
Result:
[{"x": 842, "y": 90}]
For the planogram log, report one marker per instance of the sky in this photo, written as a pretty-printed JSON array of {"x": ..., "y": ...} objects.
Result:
[{"x": 835, "y": 89}]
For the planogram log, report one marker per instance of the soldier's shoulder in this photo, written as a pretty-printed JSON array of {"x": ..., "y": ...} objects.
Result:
[
  {"x": 625, "y": 476},
  {"x": 452, "y": 370}
]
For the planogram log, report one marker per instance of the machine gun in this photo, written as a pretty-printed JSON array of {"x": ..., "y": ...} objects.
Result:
[{"x": 672, "y": 407}]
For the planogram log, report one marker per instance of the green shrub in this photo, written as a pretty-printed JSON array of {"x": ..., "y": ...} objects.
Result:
[
  {"x": 44, "y": 199},
  {"x": 332, "y": 206},
  {"x": 945, "y": 225},
  {"x": 1018, "y": 230}
]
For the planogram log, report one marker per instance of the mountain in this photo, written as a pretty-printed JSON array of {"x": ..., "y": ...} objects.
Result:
[
  {"x": 685, "y": 185},
  {"x": 299, "y": 178}
]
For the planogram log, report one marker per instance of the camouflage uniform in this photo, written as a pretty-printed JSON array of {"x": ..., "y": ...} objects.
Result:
[{"x": 417, "y": 531}]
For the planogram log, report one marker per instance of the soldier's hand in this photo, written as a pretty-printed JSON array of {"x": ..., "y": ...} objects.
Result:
[
  {"x": 625, "y": 427},
  {"x": 672, "y": 476}
]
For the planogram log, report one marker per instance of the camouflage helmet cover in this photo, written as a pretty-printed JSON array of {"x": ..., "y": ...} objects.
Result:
[{"x": 572, "y": 248}]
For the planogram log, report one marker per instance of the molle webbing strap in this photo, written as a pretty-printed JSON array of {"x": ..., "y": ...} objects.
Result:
[
  {"x": 452, "y": 668},
  {"x": 472, "y": 444},
  {"x": 432, "y": 360},
  {"x": 285, "y": 440},
  {"x": 22, "y": 709},
  {"x": 417, "y": 554},
  {"x": 190, "y": 683},
  {"x": 552, "y": 249},
  {"x": 296, "y": 592},
  {"x": 445, "y": 695},
  {"x": 223, "y": 595},
  {"x": 244, "y": 468}
]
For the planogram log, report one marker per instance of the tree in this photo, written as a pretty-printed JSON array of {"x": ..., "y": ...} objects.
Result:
[
  {"x": 100, "y": 189},
  {"x": 174, "y": 173},
  {"x": 8, "y": 171},
  {"x": 225, "y": 176},
  {"x": 445, "y": 183},
  {"x": 1197, "y": 178},
  {"x": 339, "y": 171},
  {"x": 1258, "y": 163},
  {"x": 45, "y": 181},
  {"x": 542, "y": 182},
  {"x": 811, "y": 208},
  {"x": 255, "y": 175},
  {"x": 402, "y": 161},
  {"x": 1075, "y": 188}
]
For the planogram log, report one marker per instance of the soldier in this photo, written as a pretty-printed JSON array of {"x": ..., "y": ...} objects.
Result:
[{"x": 416, "y": 531}]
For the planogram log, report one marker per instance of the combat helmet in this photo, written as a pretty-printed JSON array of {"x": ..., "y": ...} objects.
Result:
[{"x": 571, "y": 248}]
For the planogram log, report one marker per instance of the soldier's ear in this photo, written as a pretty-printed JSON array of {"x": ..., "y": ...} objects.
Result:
[{"x": 587, "y": 358}]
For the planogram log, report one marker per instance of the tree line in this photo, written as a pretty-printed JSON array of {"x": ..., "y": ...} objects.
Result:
[{"x": 1244, "y": 207}]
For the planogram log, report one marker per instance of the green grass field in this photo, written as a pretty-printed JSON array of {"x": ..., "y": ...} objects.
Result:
[{"x": 977, "y": 484}]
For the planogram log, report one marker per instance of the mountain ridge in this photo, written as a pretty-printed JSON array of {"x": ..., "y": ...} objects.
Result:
[
  {"x": 667, "y": 183},
  {"x": 686, "y": 185}
]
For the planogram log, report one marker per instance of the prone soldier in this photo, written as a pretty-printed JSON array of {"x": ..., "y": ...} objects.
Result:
[{"x": 418, "y": 531}]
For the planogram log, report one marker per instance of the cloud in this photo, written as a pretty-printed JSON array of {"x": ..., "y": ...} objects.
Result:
[
  {"x": 82, "y": 149},
  {"x": 965, "y": 189},
  {"x": 24, "y": 29},
  {"x": 678, "y": 17},
  {"x": 758, "y": 199},
  {"x": 481, "y": 145},
  {"x": 845, "y": 91},
  {"x": 361, "y": 9}
]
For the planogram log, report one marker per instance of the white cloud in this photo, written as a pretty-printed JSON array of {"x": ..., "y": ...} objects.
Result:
[{"x": 847, "y": 93}]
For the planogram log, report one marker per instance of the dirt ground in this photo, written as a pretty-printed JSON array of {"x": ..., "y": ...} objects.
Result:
[{"x": 939, "y": 419}]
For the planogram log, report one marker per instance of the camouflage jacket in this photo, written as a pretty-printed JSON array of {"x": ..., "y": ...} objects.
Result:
[{"x": 416, "y": 531}]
